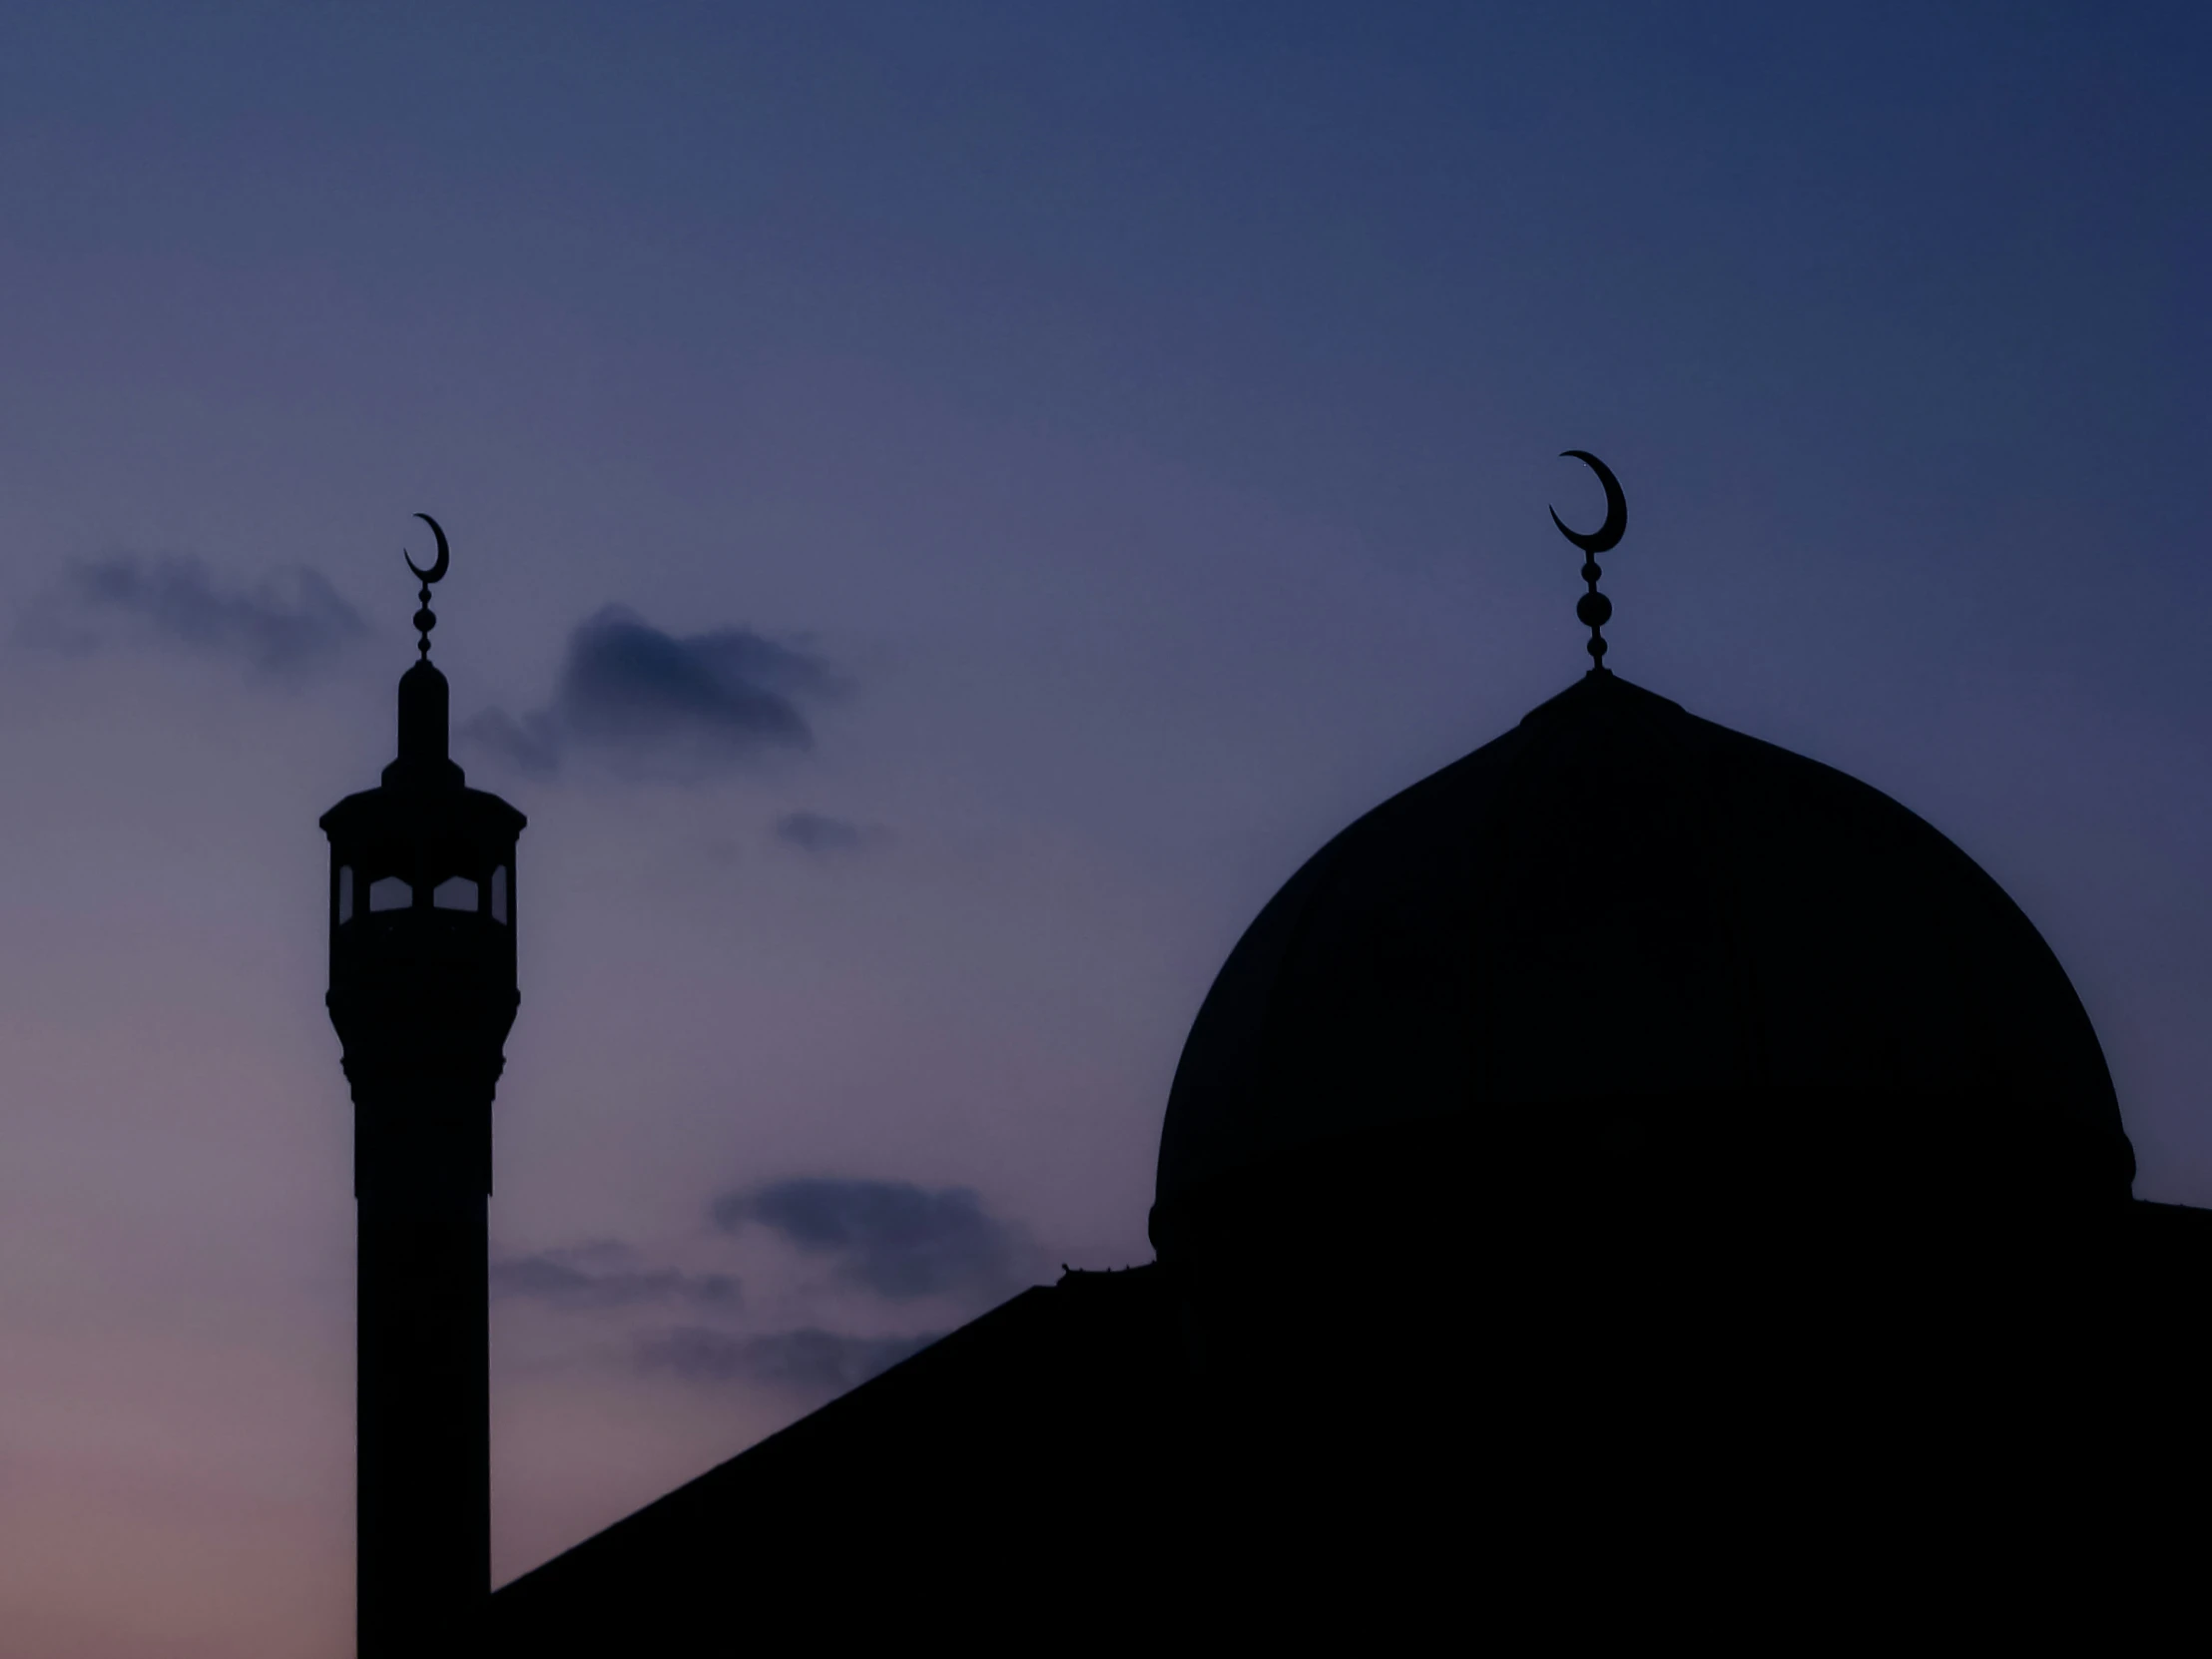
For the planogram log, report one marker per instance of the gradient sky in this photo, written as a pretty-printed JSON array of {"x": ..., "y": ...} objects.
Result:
[{"x": 1054, "y": 464}]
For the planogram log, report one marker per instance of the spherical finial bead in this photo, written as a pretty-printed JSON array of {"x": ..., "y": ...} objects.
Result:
[
  {"x": 1593, "y": 609},
  {"x": 424, "y": 621}
]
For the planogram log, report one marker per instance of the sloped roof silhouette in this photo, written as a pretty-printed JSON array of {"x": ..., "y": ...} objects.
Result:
[{"x": 955, "y": 1465}]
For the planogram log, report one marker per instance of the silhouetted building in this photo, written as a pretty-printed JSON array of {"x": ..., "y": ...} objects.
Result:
[
  {"x": 1634, "y": 1168},
  {"x": 423, "y": 993},
  {"x": 1636, "y": 1176}
]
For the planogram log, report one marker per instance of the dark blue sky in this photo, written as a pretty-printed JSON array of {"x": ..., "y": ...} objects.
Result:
[{"x": 1113, "y": 441}]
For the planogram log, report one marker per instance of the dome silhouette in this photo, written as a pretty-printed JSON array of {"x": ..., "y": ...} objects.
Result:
[{"x": 1622, "y": 934}]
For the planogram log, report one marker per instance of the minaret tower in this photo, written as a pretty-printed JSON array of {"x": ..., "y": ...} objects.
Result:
[{"x": 423, "y": 993}]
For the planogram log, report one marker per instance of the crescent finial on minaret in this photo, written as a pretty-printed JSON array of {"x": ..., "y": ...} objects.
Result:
[
  {"x": 425, "y": 618},
  {"x": 1593, "y": 608}
]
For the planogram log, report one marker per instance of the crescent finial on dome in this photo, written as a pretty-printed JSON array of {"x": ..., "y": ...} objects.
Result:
[{"x": 1593, "y": 609}]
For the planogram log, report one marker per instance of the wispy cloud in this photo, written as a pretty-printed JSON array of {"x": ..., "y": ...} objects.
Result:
[
  {"x": 282, "y": 625},
  {"x": 825, "y": 836},
  {"x": 664, "y": 705},
  {"x": 811, "y": 1360},
  {"x": 532, "y": 743},
  {"x": 892, "y": 1237},
  {"x": 606, "y": 1274},
  {"x": 894, "y": 1242}
]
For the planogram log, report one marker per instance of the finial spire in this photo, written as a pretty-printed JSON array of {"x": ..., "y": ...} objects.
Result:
[
  {"x": 1593, "y": 608},
  {"x": 424, "y": 618}
]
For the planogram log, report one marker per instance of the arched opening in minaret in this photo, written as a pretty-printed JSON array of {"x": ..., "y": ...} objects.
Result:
[
  {"x": 389, "y": 893},
  {"x": 455, "y": 892},
  {"x": 345, "y": 895},
  {"x": 499, "y": 896}
]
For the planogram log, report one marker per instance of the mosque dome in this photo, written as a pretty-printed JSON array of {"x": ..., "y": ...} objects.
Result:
[{"x": 1620, "y": 926}]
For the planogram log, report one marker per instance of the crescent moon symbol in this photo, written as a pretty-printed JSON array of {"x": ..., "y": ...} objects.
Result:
[
  {"x": 1607, "y": 535},
  {"x": 446, "y": 553}
]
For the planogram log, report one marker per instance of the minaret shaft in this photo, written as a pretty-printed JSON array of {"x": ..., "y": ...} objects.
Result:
[{"x": 424, "y": 1404}]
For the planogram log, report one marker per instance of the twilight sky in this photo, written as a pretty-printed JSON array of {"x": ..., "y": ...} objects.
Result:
[{"x": 950, "y": 504}]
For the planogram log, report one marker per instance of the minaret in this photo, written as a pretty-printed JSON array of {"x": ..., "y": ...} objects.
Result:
[{"x": 423, "y": 993}]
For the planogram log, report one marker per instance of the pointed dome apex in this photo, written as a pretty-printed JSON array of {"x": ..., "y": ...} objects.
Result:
[{"x": 1620, "y": 926}]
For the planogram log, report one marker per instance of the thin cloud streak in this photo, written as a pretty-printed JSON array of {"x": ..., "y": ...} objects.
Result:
[
  {"x": 282, "y": 627},
  {"x": 892, "y": 1237},
  {"x": 822, "y": 836},
  {"x": 605, "y": 1275}
]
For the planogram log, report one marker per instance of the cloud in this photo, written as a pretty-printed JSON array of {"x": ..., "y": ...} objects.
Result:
[
  {"x": 896, "y": 1239},
  {"x": 824, "y": 836},
  {"x": 280, "y": 627},
  {"x": 659, "y": 704},
  {"x": 817, "y": 1362},
  {"x": 891, "y": 1240},
  {"x": 605, "y": 1274},
  {"x": 532, "y": 743}
]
